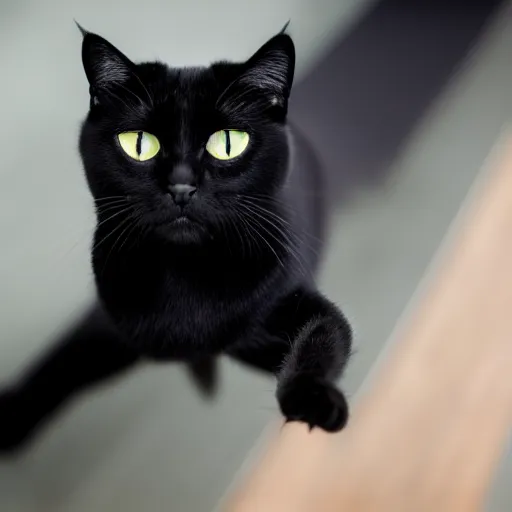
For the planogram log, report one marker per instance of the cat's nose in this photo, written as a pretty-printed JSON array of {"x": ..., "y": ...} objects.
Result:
[{"x": 182, "y": 193}]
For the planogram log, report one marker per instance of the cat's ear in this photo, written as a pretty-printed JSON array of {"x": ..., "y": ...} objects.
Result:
[
  {"x": 272, "y": 67},
  {"x": 104, "y": 65}
]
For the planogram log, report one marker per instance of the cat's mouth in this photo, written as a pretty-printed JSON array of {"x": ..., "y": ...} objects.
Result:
[
  {"x": 182, "y": 229},
  {"x": 184, "y": 222},
  {"x": 182, "y": 219}
]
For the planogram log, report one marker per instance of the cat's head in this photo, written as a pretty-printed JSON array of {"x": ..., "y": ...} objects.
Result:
[{"x": 186, "y": 153}]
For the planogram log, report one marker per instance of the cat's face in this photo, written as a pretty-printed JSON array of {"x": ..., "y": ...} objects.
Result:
[{"x": 184, "y": 153}]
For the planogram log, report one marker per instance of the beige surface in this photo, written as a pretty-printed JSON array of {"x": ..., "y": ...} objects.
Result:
[{"x": 428, "y": 433}]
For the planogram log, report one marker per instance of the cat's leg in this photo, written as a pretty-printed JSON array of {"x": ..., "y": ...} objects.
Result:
[
  {"x": 307, "y": 343},
  {"x": 88, "y": 354}
]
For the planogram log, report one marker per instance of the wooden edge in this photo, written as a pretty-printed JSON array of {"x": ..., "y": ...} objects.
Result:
[{"x": 428, "y": 431}]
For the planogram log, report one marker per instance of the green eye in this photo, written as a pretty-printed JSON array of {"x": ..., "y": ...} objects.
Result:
[
  {"x": 227, "y": 144},
  {"x": 140, "y": 146}
]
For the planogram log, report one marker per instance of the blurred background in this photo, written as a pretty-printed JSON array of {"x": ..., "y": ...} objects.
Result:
[{"x": 403, "y": 99}]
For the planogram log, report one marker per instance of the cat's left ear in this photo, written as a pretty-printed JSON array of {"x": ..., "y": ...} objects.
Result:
[
  {"x": 271, "y": 68},
  {"x": 104, "y": 65}
]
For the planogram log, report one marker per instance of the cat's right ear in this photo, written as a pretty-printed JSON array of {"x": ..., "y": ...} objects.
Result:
[{"x": 104, "y": 65}]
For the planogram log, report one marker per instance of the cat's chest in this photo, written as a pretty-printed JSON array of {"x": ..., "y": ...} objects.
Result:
[{"x": 174, "y": 315}]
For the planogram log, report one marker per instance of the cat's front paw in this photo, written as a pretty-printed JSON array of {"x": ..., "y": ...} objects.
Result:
[
  {"x": 13, "y": 424},
  {"x": 313, "y": 401}
]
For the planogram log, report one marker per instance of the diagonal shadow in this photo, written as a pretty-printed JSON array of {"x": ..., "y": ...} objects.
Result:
[{"x": 359, "y": 104}]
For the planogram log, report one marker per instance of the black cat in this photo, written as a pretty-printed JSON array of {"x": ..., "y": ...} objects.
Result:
[{"x": 209, "y": 206}]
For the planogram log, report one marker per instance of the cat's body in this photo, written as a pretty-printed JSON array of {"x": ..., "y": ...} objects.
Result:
[{"x": 204, "y": 247}]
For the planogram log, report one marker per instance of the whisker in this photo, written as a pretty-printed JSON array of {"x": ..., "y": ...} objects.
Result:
[
  {"x": 126, "y": 231},
  {"x": 133, "y": 93},
  {"x": 293, "y": 250},
  {"x": 101, "y": 210},
  {"x": 266, "y": 211},
  {"x": 234, "y": 224},
  {"x": 281, "y": 228},
  {"x": 271, "y": 201},
  {"x": 276, "y": 216},
  {"x": 124, "y": 210},
  {"x": 222, "y": 223},
  {"x": 123, "y": 222},
  {"x": 108, "y": 197},
  {"x": 145, "y": 89},
  {"x": 249, "y": 230},
  {"x": 249, "y": 219},
  {"x": 130, "y": 108},
  {"x": 287, "y": 226}
]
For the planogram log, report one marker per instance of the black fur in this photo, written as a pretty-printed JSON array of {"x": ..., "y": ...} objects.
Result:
[{"x": 229, "y": 273}]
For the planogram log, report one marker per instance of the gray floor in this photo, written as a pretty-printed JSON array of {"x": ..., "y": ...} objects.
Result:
[{"x": 150, "y": 443}]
